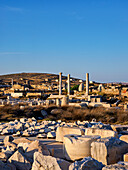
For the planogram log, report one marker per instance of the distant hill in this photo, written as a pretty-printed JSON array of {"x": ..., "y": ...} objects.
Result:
[
  {"x": 28, "y": 76},
  {"x": 35, "y": 77}
]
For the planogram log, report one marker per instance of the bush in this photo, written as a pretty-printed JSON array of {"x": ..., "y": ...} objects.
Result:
[{"x": 75, "y": 87}]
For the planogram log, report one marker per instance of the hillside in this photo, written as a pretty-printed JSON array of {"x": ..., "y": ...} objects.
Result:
[{"x": 33, "y": 77}]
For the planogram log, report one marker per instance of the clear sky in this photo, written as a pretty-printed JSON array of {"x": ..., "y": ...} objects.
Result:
[{"x": 69, "y": 36}]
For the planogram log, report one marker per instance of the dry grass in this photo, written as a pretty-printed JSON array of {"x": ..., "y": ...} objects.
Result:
[
  {"x": 9, "y": 112},
  {"x": 100, "y": 114},
  {"x": 113, "y": 116}
]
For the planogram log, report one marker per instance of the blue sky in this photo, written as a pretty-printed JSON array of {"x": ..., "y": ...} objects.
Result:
[{"x": 69, "y": 36}]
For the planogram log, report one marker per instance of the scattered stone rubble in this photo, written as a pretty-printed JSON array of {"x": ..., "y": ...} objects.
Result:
[{"x": 52, "y": 145}]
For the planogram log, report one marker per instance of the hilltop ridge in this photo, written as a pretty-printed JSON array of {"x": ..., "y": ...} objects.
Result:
[{"x": 32, "y": 76}]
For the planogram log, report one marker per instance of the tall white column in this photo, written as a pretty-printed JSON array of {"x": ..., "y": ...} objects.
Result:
[
  {"x": 87, "y": 84},
  {"x": 68, "y": 84},
  {"x": 60, "y": 83}
]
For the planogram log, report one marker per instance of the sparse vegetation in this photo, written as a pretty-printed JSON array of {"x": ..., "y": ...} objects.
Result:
[
  {"x": 75, "y": 87},
  {"x": 112, "y": 116}
]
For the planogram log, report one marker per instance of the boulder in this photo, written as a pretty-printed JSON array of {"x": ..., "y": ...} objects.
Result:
[
  {"x": 21, "y": 140},
  {"x": 2, "y": 148},
  {"x": 11, "y": 146},
  {"x": 8, "y": 139},
  {"x": 42, "y": 162},
  {"x": 104, "y": 133},
  {"x": 23, "y": 120},
  {"x": 51, "y": 135},
  {"x": 41, "y": 136},
  {"x": 52, "y": 128},
  {"x": 62, "y": 131},
  {"x": 1, "y": 164},
  {"x": 41, "y": 131},
  {"x": 64, "y": 165},
  {"x": 8, "y": 131},
  {"x": 46, "y": 130},
  {"x": 34, "y": 147},
  {"x": 123, "y": 163},
  {"x": 116, "y": 167},
  {"x": 124, "y": 138},
  {"x": 1, "y": 143},
  {"x": 19, "y": 127},
  {"x": 126, "y": 157},
  {"x": 7, "y": 166},
  {"x": 119, "y": 128},
  {"x": 34, "y": 119},
  {"x": 109, "y": 150},
  {"x": 87, "y": 163},
  {"x": 5, "y": 155},
  {"x": 20, "y": 161},
  {"x": 17, "y": 134},
  {"x": 23, "y": 145},
  {"x": 72, "y": 142},
  {"x": 27, "y": 134},
  {"x": 27, "y": 125}
]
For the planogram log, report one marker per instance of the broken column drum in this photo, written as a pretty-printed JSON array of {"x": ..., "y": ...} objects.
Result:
[{"x": 77, "y": 147}]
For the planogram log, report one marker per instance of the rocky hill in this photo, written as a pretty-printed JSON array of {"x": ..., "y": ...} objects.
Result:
[{"x": 33, "y": 77}]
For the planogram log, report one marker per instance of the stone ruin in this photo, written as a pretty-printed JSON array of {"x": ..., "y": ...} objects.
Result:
[{"x": 54, "y": 145}]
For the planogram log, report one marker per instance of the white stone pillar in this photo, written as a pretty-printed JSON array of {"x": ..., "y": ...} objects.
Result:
[
  {"x": 87, "y": 84},
  {"x": 60, "y": 83},
  {"x": 68, "y": 84}
]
